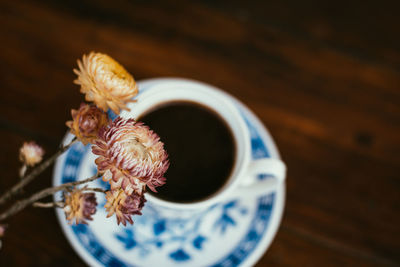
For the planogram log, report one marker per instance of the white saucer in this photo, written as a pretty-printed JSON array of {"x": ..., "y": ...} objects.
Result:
[{"x": 234, "y": 233}]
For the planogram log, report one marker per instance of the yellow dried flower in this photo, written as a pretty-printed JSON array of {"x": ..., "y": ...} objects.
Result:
[
  {"x": 31, "y": 153},
  {"x": 105, "y": 82},
  {"x": 79, "y": 206}
]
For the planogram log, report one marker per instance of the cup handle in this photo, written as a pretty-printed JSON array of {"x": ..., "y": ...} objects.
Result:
[{"x": 270, "y": 166}]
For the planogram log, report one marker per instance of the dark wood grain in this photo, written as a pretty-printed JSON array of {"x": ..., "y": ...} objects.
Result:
[{"x": 323, "y": 77}]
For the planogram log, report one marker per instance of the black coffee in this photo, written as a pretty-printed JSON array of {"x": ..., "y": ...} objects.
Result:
[{"x": 200, "y": 147}]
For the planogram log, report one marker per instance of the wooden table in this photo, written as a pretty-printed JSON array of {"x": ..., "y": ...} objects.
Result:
[{"x": 324, "y": 78}]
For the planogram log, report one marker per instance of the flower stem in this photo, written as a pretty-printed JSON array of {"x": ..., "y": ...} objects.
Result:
[
  {"x": 101, "y": 190},
  {"x": 35, "y": 172},
  {"x": 20, "y": 205},
  {"x": 22, "y": 171},
  {"x": 58, "y": 204}
]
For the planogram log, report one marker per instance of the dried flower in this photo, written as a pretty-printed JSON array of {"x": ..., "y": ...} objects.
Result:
[
  {"x": 123, "y": 205},
  {"x": 105, "y": 82},
  {"x": 131, "y": 156},
  {"x": 86, "y": 123},
  {"x": 3, "y": 228},
  {"x": 79, "y": 206},
  {"x": 31, "y": 153}
]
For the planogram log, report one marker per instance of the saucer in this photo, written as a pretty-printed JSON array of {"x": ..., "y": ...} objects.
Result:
[{"x": 236, "y": 232}]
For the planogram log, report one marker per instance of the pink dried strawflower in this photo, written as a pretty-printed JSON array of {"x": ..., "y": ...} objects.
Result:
[
  {"x": 87, "y": 122},
  {"x": 79, "y": 206},
  {"x": 131, "y": 156},
  {"x": 3, "y": 228},
  {"x": 123, "y": 205},
  {"x": 31, "y": 153},
  {"x": 105, "y": 82}
]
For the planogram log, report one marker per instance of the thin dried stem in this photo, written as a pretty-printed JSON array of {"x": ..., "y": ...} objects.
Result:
[
  {"x": 22, "y": 171},
  {"x": 35, "y": 172},
  {"x": 101, "y": 190},
  {"x": 58, "y": 204},
  {"x": 20, "y": 205}
]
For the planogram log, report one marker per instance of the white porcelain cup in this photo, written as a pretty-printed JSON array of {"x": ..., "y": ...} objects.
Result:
[{"x": 241, "y": 181}]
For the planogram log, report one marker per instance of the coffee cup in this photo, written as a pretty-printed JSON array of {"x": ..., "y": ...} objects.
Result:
[{"x": 241, "y": 181}]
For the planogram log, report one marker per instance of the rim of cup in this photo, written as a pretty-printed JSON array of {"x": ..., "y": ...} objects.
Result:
[{"x": 214, "y": 99}]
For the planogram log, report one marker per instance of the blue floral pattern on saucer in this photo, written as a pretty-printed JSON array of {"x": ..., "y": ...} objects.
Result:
[{"x": 226, "y": 234}]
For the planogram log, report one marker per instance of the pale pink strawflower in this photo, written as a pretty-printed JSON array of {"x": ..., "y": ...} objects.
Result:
[
  {"x": 3, "y": 228},
  {"x": 79, "y": 206},
  {"x": 131, "y": 156},
  {"x": 87, "y": 122},
  {"x": 123, "y": 205},
  {"x": 105, "y": 82},
  {"x": 31, "y": 153}
]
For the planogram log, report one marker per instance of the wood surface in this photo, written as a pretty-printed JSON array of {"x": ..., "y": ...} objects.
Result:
[{"x": 323, "y": 77}]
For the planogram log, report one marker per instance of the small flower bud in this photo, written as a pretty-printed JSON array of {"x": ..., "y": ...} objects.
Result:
[
  {"x": 3, "y": 228},
  {"x": 87, "y": 122},
  {"x": 31, "y": 154}
]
